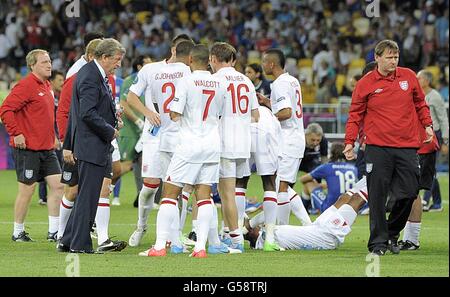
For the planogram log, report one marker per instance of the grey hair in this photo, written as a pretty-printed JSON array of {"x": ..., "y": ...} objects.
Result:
[
  {"x": 427, "y": 75},
  {"x": 108, "y": 47},
  {"x": 32, "y": 57},
  {"x": 314, "y": 128}
]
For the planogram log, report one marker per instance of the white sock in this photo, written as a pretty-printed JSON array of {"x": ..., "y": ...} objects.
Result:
[
  {"x": 283, "y": 209},
  {"x": 167, "y": 212},
  {"x": 194, "y": 225},
  {"x": 146, "y": 200},
  {"x": 18, "y": 228},
  {"x": 257, "y": 220},
  {"x": 348, "y": 213},
  {"x": 102, "y": 220},
  {"x": 175, "y": 233},
  {"x": 53, "y": 224},
  {"x": 298, "y": 208},
  {"x": 213, "y": 234},
  {"x": 184, "y": 204},
  {"x": 270, "y": 213},
  {"x": 204, "y": 216},
  {"x": 412, "y": 232},
  {"x": 240, "y": 204},
  {"x": 236, "y": 236},
  {"x": 226, "y": 232},
  {"x": 65, "y": 209}
]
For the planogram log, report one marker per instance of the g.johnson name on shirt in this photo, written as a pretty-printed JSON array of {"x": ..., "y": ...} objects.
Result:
[{"x": 168, "y": 75}]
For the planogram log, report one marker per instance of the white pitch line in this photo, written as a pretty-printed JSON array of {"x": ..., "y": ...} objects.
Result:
[{"x": 46, "y": 223}]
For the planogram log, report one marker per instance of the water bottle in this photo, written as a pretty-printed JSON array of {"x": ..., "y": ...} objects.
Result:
[{"x": 154, "y": 130}]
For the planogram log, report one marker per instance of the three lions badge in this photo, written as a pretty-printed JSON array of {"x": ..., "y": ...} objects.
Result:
[{"x": 403, "y": 85}]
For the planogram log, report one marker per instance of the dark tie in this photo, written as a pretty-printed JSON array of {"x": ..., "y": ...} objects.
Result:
[
  {"x": 112, "y": 99},
  {"x": 109, "y": 88}
]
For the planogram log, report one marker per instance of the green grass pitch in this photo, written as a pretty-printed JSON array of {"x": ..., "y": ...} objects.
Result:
[{"x": 41, "y": 259}]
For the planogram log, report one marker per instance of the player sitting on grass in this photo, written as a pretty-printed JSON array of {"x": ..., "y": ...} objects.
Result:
[
  {"x": 327, "y": 232},
  {"x": 339, "y": 175}
]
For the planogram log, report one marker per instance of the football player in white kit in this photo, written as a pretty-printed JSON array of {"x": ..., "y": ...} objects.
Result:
[
  {"x": 327, "y": 232},
  {"x": 266, "y": 149},
  {"x": 160, "y": 135},
  {"x": 286, "y": 101},
  {"x": 197, "y": 105},
  {"x": 240, "y": 109}
]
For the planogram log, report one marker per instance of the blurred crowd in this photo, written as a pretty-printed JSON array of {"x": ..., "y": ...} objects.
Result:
[{"x": 326, "y": 42}]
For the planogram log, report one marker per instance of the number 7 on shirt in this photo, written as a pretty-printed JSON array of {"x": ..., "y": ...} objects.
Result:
[{"x": 211, "y": 94}]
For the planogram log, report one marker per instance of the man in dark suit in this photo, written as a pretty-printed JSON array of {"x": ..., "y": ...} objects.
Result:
[{"x": 93, "y": 125}]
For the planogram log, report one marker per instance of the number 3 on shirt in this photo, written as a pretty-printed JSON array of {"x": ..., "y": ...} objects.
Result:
[
  {"x": 299, "y": 112},
  {"x": 240, "y": 97},
  {"x": 172, "y": 94}
]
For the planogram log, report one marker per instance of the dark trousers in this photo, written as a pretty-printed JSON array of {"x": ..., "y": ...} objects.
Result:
[
  {"x": 77, "y": 234},
  {"x": 435, "y": 191},
  {"x": 390, "y": 170},
  {"x": 360, "y": 163}
]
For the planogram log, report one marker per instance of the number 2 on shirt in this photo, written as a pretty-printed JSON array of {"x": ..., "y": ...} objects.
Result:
[
  {"x": 172, "y": 94},
  {"x": 239, "y": 96}
]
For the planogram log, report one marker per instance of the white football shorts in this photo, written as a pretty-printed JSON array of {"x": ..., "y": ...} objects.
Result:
[
  {"x": 288, "y": 168},
  {"x": 237, "y": 168},
  {"x": 181, "y": 172}
]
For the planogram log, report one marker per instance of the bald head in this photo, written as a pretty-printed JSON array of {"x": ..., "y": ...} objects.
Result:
[{"x": 425, "y": 79}]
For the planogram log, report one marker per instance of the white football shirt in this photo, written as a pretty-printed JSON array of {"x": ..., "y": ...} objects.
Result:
[
  {"x": 287, "y": 93},
  {"x": 240, "y": 100},
  {"x": 199, "y": 98},
  {"x": 76, "y": 67},
  {"x": 266, "y": 132},
  {"x": 163, "y": 87}
]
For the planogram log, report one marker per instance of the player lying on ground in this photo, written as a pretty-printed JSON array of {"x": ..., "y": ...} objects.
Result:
[{"x": 327, "y": 232}]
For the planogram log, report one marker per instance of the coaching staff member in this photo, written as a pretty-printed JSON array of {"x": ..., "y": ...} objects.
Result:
[
  {"x": 389, "y": 103},
  {"x": 29, "y": 118},
  {"x": 92, "y": 128}
]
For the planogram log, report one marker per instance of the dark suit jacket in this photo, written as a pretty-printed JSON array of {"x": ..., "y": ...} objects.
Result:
[{"x": 92, "y": 117}]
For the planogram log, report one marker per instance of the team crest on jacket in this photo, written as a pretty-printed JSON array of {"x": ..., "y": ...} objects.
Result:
[
  {"x": 28, "y": 173},
  {"x": 67, "y": 175},
  {"x": 369, "y": 167},
  {"x": 404, "y": 85}
]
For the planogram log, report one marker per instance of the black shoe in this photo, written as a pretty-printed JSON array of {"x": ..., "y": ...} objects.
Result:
[
  {"x": 52, "y": 237},
  {"x": 112, "y": 246},
  {"x": 379, "y": 251},
  {"x": 22, "y": 237},
  {"x": 192, "y": 236},
  {"x": 84, "y": 252},
  {"x": 393, "y": 247},
  {"x": 62, "y": 248},
  {"x": 136, "y": 201},
  {"x": 408, "y": 245}
]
